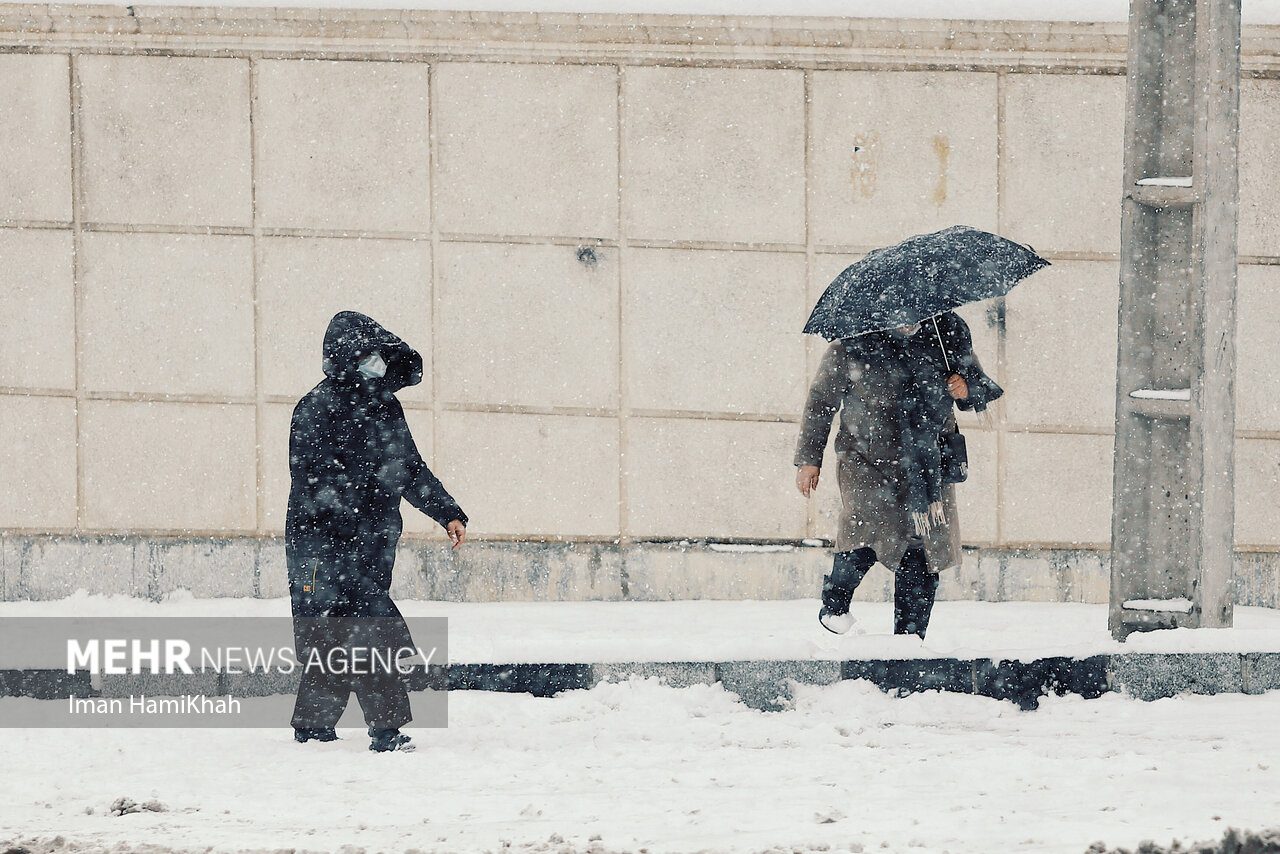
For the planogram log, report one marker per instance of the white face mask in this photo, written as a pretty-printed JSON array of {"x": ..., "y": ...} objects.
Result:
[{"x": 372, "y": 366}]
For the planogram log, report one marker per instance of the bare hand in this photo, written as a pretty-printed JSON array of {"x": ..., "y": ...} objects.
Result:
[
  {"x": 807, "y": 479},
  {"x": 957, "y": 387},
  {"x": 457, "y": 533}
]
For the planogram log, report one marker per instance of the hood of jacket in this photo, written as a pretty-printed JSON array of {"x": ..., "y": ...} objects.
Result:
[{"x": 352, "y": 336}]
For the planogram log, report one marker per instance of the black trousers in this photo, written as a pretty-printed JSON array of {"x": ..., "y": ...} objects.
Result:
[
  {"x": 323, "y": 696},
  {"x": 914, "y": 587}
]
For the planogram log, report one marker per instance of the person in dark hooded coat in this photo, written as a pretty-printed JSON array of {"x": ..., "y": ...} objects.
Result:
[
  {"x": 895, "y": 391},
  {"x": 351, "y": 460}
]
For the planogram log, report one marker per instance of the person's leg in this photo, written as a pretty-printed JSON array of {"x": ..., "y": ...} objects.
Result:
[
  {"x": 914, "y": 589},
  {"x": 384, "y": 698},
  {"x": 322, "y": 698},
  {"x": 847, "y": 571}
]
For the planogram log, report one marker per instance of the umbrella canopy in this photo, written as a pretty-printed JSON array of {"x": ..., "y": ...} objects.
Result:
[{"x": 918, "y": 278}]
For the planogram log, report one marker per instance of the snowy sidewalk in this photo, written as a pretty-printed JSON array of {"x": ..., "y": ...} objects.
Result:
[
  {"x": 712, "y": 631},
  {"x": 1014, "y": 651},
  {"x": 638, "y": 767}
]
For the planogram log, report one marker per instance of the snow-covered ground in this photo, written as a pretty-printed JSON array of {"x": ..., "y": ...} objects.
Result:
[
  {"x": 637, "y": 766},
  {"x": 569, "y": 632}
]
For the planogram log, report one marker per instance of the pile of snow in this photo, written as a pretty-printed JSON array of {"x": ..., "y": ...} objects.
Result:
[
  {"x": 749, "y": 548},
  {"x": 1161, "y": 394},
  {"x": 126, "y": 806}
]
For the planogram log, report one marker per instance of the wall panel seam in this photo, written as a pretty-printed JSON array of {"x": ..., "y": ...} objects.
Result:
[
  {"x": 258, "y": 385},
  {"x": 624, "y": 403},
  {"x": 77, "y": 274},
  {"x": 810, "y": 262},
  {"x": 1001, "y": 327},
  {"x": 434, "y": 302}
]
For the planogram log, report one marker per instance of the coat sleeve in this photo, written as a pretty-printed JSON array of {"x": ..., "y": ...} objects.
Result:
[
  {"x": 424, "y": 490},
  {"x": 983, "y": 390},
  {"x": 306, "y": 447},
  {"x": 319, "y": 480},
  {"x": 825, "y": 393}
]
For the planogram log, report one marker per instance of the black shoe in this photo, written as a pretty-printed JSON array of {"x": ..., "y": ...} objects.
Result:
[
  {"x": 837, "y": 624},
  {"x": 385, "y": 740},
  {"x": 847, "y": 571},
  {"x": 304, "y": 734}
]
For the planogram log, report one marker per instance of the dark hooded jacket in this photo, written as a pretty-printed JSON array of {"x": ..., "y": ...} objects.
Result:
[{"x": 352, "y": 459}]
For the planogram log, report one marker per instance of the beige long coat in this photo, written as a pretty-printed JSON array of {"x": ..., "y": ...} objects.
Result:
[{"x": 873, "y": 489}]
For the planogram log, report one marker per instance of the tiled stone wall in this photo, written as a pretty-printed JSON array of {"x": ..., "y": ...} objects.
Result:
[{"x": 603, "y": 235}]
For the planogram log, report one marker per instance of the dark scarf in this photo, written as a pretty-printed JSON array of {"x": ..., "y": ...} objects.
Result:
[{"x": 918, "y": 393}]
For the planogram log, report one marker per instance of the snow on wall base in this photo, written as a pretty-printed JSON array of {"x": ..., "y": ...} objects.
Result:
[{"x": 53, "y": 567}]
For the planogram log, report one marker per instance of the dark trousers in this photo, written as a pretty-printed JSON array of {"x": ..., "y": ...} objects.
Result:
[
  {"x": 914, "y": 588},
  {"x": 322, "y": 698}
]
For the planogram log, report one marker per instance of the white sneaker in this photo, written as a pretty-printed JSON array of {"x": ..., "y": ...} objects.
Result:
[{"x": 837, "y": 624}]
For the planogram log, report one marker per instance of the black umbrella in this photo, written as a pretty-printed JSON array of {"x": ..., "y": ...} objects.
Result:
[{"x": 918, "y": 278}]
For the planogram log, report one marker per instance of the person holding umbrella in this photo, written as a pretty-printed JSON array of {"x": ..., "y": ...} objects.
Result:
[
  {"x": 899, "y": 363},
  {"x": 352, "y": 459}
]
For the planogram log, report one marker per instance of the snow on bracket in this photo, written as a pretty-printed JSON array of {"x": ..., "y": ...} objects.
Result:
[
  {"x": 1165, "y": 182},
  {"x": 1161, "y": 394},
  {"x": 1180, "y": 605}
]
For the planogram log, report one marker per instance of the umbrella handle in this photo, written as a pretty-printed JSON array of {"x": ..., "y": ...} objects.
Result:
[{"x": 941, "y": 346}]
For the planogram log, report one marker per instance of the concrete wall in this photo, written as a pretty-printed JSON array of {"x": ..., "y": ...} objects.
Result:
[
  {"x": 43, "y": 567},
  {"x": 603, "y": 233}
]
